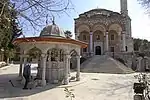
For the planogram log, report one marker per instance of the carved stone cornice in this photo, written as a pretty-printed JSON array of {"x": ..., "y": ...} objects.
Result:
[{"x": 104, "y": 21}]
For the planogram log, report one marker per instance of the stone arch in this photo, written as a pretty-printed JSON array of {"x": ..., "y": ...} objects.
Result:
[
  {"x": 73, "y": 59},
  {"x": 98, "y": 35},
  {"x": 73, "y": 53},
  {"x": 83, "y": 27},
  {"x": 114, "y": 39},
  {"x": 84, "y": 36},
  {"x": 99, "y": 26},
  {"x": 55, "y": 54},
  {"x": 116, "y": 27},
  {"x": 61, "y": 53},
  {"x": 34, "y": 53},
  {"x": 113, "y": 32}
]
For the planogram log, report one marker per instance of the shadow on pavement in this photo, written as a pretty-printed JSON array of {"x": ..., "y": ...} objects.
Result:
[{"x": 8, "y": 91}]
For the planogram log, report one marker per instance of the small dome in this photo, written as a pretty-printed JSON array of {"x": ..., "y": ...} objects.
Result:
[{"x": 52, "y": 30}]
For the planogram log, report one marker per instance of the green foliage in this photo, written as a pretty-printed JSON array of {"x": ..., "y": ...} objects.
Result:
[
  {"x": 68, "y": 34},
  {"x": 137, "y": 44},
  {"x": 8, "y": 28},
  {"x": 141, "y": 45},
  {"x": 69, "y": 93},
  {"x": 34, "y": 52},
  {"x": 145, "y": 4}
]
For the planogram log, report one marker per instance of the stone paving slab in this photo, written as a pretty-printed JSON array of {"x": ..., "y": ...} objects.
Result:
[{"x": 93, "y": 86}]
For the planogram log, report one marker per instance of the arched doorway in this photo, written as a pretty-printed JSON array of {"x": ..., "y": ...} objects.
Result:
[
  {"x": 73, "y": 60},
  {"x": 98, "y": 50}
]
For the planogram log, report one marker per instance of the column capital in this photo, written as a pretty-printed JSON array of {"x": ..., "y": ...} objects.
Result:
[
  {"x": 68, "y": 56},
  {"x": 78, "y": 57},
  {"x": 24, "y": 56},
  {"x": 91, "y": 33},
  {"x": 43, "y": 55},
  {"x": 107, "y": 32},
  {"x": 123, "y": 32},
  {"x": 107, "y": 41}
]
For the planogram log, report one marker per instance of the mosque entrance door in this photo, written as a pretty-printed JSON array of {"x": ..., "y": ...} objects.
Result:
[{"x": 98, "y": 50}]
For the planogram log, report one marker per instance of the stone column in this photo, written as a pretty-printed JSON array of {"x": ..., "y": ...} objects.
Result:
[
  {"x": 50, "y": 67},
  {"x": 139, "y": 64},
  {"x": 119, "y": 41},
  {"x": 91, "y": 43},
  {"x": 39, "y": 68},
  {"x": 66, "y": 80},
  {"x": 43, "y": 65},
  {"x": 21, "y": 66},
  {"x": 78, "y": 68},
  {"x": 123, "y": 41},
  {"x": 23, "y": 61},
  {"x": 69, "y": 65},
  {"x": 107, "y": 42}
]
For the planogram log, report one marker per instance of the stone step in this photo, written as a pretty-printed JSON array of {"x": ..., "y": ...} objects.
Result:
[{"x": 104, "y": 64}]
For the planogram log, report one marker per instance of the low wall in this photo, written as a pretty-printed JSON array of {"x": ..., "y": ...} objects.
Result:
[
  {"x": 126, "y": 56},
  {"x": 133, "y": 60}
]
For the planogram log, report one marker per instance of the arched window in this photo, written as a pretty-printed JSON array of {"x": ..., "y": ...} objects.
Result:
[
  {"x": 61, "y": 55},
  {"x": 84, "y": 37},
  {"x": 48, "y": 56},
  {"x": 54, "y": 54},
  {"x": 84, "y": 49},
  {"x": 97, "y": 37},
  {"x": 126, "y": 48},
  {"x": 112, "y": 37},
  {"x": 112, "y": 49}
]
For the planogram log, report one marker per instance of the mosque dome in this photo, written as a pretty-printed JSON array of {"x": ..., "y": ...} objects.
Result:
[{"x": 53, "y": 31}]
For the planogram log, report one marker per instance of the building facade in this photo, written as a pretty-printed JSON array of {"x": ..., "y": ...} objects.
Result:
[{"x": 105, "y": 31}]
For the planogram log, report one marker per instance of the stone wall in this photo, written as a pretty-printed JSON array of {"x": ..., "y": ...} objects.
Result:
[
  {"x": 127, "y": 57},
  {"x": 134, "y": 61}
]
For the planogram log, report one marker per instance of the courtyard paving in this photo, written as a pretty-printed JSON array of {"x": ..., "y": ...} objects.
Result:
[{"x": 93, "y": 86}]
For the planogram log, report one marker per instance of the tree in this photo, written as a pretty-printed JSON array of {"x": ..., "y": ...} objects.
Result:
[
  {"x": 68, "y": 34},
  {"x": 8, "y": 28},
  {"x": 26, "y": 12},
  {"x": 141, "y": 45},
  {"x": 145, "y": 4},
  {"x": 34, "y": 12},
  {"x": 137, "y": 44}
]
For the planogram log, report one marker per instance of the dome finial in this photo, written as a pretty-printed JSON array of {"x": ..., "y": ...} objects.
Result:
[
  {"x": 53, "y": 20},
  {"x": 46, "y": 19}
]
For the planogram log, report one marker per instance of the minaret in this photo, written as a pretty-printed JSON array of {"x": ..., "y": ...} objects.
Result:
[
  {"x": 124, "y": 7},
  {"x": 128, "y": 29}
]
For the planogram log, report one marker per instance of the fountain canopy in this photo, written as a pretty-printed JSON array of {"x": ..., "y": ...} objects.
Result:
[{"x": 54, "y": 52}]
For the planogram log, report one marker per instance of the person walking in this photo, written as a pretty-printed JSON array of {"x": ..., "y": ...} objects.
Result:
[{"x": 27, "y": 74}]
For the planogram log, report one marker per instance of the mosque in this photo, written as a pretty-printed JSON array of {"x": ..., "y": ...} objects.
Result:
[{"x": 105, "y": 31}]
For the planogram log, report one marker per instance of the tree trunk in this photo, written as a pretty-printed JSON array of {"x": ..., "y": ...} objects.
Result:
[{"x": 8, "y": 60}]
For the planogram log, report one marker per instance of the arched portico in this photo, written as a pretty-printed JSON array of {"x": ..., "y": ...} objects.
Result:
[
  {"x": 98, "y": 41},
  {"x": 105, "y": 21}
]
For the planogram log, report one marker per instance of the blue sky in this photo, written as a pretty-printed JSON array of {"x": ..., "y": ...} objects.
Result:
[{"x": 140, "y": 20}]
